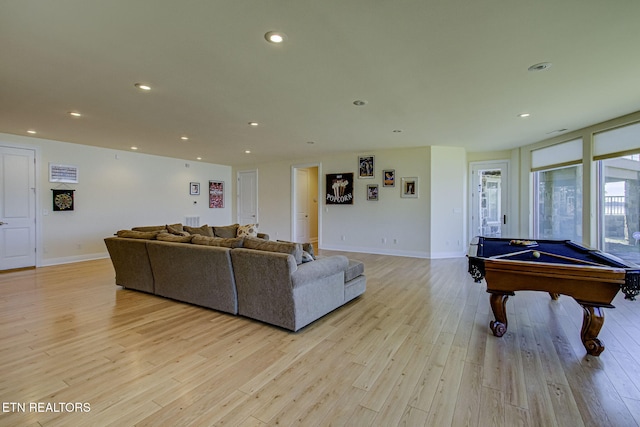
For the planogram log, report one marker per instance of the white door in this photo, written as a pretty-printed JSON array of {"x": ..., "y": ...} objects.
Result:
[
  {"x": 247, "y": 197},
  {"x": 302, "y": 205},
  {"x": 489, "y": 193},
  {"x": 17, "y": 208}
]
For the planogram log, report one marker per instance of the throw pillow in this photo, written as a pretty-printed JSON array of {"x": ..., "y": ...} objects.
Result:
[
  {"x": 306, "y": 257},
  {"x": 133, "y": 234},
  {"x": 205, "y": 230},
  {"x": 249, "y": 230},
  {"x": 227, "y": 231},
  {"x": 307, "y": 247},
  {"x": 168, "y": 237},
  {"x": 235, "y": 242},
  {"x": 176, "y": 229}
]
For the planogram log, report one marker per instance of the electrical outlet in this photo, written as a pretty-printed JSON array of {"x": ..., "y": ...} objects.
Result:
[
  {"x": 343, "y": 237},
  {"x": 384, "y": 240}
]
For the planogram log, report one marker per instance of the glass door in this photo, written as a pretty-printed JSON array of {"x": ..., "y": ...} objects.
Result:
[{"x": 489, "y": 199}]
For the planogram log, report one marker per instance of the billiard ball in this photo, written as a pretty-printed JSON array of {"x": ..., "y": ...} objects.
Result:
[{"x": 536, "y": 254}]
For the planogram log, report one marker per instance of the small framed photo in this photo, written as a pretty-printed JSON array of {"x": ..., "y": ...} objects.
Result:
[
  {"x": 366, "y": 166},
  {"x": 410, "y": 187},
  {"x": 372, "y": 192},
  {"x": 389, "y": 178},
  {"x": 194, "y": 188}
]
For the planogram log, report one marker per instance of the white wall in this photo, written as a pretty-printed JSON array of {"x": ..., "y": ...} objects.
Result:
[
  {"x": 364, "y": 225},
  {"x": 116, "y": 190},
  {"x": 448, "y": 202}
]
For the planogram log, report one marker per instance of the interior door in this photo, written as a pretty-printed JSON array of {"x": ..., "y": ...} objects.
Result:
[
  {"x": 302, "y": 205},
  {"x": 489, "y": 197},
  {"x": 248, "y": 197},
  {"x": 17, "y": 208}
]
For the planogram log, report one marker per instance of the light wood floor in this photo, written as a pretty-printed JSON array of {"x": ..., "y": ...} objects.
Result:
[{"x": 414, "y": 350}]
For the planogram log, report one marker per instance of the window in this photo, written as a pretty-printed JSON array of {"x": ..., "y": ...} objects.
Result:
[
  {"x": 558, "y": 203},
  {"x": 618, "y": 166},
  {"x": 619, "y": 213}
]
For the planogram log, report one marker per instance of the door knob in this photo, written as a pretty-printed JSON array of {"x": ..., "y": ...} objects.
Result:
[{"x": 3, "y": 223}]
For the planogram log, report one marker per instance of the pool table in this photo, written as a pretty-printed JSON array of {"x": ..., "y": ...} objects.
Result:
[{"x": 591, "y": 277}]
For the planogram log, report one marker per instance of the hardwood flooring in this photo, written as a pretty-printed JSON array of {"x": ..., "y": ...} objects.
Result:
[{"x": 414, "y": 350}]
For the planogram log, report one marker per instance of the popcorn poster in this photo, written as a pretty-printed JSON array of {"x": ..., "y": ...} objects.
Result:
[{"x": 339, "y": 189}]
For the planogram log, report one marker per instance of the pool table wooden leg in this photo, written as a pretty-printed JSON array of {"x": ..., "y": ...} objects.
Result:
[
  {"x": 592, "y": 322},
  {"x": 498, "y": 301}
]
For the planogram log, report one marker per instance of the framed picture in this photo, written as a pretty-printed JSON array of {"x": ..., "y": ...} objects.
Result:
[
  {"x": 63, "y": 173},
  {"x": 339, "y": 188},
  {"x": 389, "y": 178},
  {"x": 216, "y": 194},
  {"x": 410, "y": 187},
  {"x": 194, "y": 188},
  {"x": 372, "y": 192},
  {"x": 365, "y": 166}
]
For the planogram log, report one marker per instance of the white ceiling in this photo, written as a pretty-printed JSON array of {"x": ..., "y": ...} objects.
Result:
[{"x": 445, "y": 72}]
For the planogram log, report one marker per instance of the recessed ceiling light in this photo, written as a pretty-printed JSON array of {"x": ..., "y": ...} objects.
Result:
[
  {"x": 524, "y": 115},
  {"x": 143, "y": 86},
  {"x": 134, "y": 148},
  {"x": 74, "y": 114},
  {"x": 275, "y": 37},
  {"x": 198, "y": 158},
  {"x": 247, "y": 151},
  {"x": 253, "y": 123},
  {"x": 31, "y": 131},
  {"x": 540, "y": 67},
  {"x": 359, "y": 102},
  {"x": 184, "y": 138}
]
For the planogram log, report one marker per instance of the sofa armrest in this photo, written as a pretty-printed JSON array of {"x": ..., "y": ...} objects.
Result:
[
  {"x": 314, "y": 270},
  {"x": 264, "y": 236}
]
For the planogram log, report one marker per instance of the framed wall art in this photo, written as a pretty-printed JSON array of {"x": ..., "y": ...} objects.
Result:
[
  {"x": 216, "y": 194},
  {"x": 194, "y": 188},
  {"x": 389, "y": 178},
  {"x": 410, "y": 187},
  {"x": 372, "y": 192},
  {"x": 63, "y": 173},
  {"x": 339, "y": 189},
  {"x": 366, "y": 166}
]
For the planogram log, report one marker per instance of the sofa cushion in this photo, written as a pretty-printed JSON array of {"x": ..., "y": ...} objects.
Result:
[
  {"x": 235, "y": 242},
  {"x": 294, "y": 249},
  {"x": 205, "y": 230},
  {"x": 354, "y": 269},
  {"x": 177, "y": 226},
  {"x": 150, "y": 228},
  {"x": 227, "y": 231},
  {"x": 167, "y": 237},
  {"x": 133, "y": 234},
  {"x": 248, "y": 230}
]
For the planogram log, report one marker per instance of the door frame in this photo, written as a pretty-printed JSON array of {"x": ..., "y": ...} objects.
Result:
[
  {"x": 36, "y": 207},
  {"x": 294, "y": 195},
  {"x": 505, "y": 185}
]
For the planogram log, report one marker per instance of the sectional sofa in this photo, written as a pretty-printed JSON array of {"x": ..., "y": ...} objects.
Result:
[{"x": 274, "y": 282}]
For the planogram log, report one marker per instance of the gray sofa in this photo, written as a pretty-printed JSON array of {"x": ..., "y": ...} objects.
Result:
[{"x": 255, "y": 278}]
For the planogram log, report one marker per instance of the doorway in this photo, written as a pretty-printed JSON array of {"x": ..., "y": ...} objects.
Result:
[
  {"x": 489, "y": 197},
  {"x": 305, "y": 224},
  {"x": 17, "y": 208}
]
